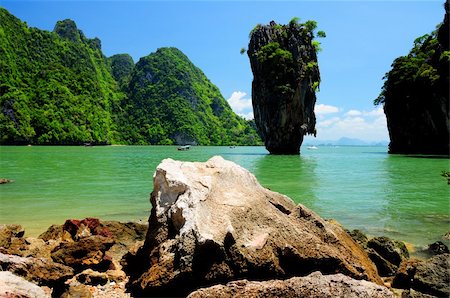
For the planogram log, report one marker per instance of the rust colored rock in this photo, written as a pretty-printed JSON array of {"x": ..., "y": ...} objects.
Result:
[
  {"x": 54, "y": 232},
  {"x": 125, "y": 233},
  {"x": 122, "y": 232},
  {"x": 84, "y": 228},
  {"x": 12, "y": 242},
  {"x": 91, "y": 277},
  {"x": 8, "y": 232},
  {"x": 86, "y": 253},
  {"x": 39, "y": 270},
  {"x": 77, "y": 291}
]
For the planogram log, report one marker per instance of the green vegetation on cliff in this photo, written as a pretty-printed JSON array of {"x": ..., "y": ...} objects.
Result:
[
  {"x": 170, "y": 101},
  {"x": 58, "y": 88},
  {"x": 286, "y": 76},
  {"x": 54, "y": 89},
  {"x": 278, "y": 59},
  {"x": 418, "y": 74},
  {"x": 121, "y": 67}
]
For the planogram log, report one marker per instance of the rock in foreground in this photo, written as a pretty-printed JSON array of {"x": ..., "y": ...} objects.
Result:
[
  {"x": 78, "y": 259},
  {"x": 285, "y": 76},
  {"x": 314, "y": 285},
  {"x": 431, "y": 277},
  {"x": 12, "y": 286},
  {"x": 213, "y": 222},
  {"x": 39, "y": 270}
]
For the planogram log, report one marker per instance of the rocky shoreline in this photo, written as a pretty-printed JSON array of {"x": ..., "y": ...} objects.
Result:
[{"x": 214, "y": 231}]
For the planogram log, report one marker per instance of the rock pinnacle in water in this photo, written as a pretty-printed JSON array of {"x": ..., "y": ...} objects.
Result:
[{"x": 285, "y": 76}]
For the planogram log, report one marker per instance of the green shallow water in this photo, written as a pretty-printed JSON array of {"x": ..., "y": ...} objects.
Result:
[{"x": 361, "y": 187}]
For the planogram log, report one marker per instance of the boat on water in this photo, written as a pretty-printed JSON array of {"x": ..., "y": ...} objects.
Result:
[
  {"x": 184, "y": 148},
  {"x": 312, "y": 148}
]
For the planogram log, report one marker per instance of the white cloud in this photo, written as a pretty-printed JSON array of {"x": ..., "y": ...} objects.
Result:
[
  {"x": 247, "y": 116},
  {"x": 239, "y": 103},
  {"x": 322, "y": 109},
  {"x": 364, "y": 125},
  {"x": 375, "y": 112},
  {"x": 328, "y": 122},
  {"x": 352, "y": 113},
  {"x": 333, "y": 122}
]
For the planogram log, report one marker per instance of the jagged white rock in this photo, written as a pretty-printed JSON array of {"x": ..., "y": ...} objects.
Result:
[{"x": 213, "y": 221}]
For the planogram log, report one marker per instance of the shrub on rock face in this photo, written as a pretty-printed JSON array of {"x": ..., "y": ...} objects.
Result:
[{"x": 213, "y": 222}]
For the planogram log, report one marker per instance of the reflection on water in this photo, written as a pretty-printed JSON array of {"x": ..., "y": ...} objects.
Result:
[
  {"x": 351, "y": 186},
  {"x": 361, "y": 187},
  {"x": 291, "y": 175}
]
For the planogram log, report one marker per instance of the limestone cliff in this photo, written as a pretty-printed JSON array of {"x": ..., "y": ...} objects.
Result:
[
  {"x": 171, "y": 101},
  {"x": 415, "y": 96},
  {"x": 58, "y": 88},
  {"x": 285, "y": 76}
]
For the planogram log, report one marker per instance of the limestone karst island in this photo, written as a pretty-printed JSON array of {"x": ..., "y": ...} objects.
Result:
[{"x": 155, "y": 161}]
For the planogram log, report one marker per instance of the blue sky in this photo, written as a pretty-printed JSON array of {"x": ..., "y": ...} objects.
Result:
[{"x": 363, "y": 38}]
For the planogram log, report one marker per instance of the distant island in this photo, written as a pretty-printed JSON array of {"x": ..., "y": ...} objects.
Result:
[
  {"x": 344, "y": 141},
  {"x": 58, "y": 88}
]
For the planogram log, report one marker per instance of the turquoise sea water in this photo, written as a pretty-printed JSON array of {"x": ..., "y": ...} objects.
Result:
[{"x": 361, "y": 187}]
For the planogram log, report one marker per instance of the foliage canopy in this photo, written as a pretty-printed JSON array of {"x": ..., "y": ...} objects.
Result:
[
  {"x": 417, "y": 73},
  {"x": 57, "y": 88}
]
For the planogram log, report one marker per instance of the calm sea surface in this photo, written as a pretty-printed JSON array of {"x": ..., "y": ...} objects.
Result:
[{"x": 361, "y": 187}]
